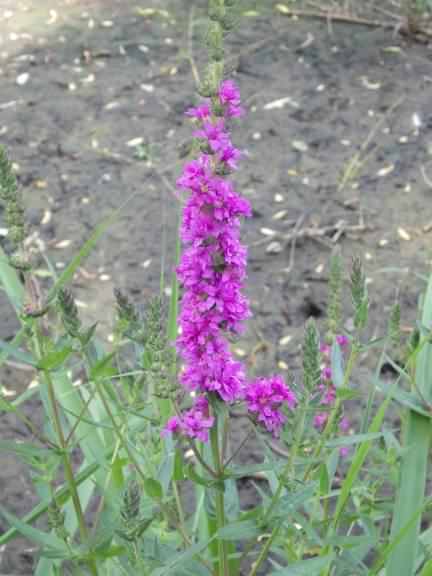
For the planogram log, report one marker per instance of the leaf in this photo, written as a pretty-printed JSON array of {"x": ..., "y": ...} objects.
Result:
[
  {"x": 406, "y": 399},
  {"x": 41, "y": 538},
  {"x": 18, "y": 354},
  {"x": 242, "y": 530},
  {"x": 11, "y": 282},
  {"x": 347, "y": 393},
  {"x": 6, "y": 406},
  {"x": 337, "y": 369},
  {"x": 292, "y": 501},
  {"x": 353, "y": 439},
  {"x": 323, "y": 479},
  {"x": 86, "y": 336},
  {"x": 178, "y": 474},
  {"x": 193, "y": 475},
  {"x": 153, "y": 489},
  {"x": 427, "y": 569},
  {"x": 311, "y": 567},
  {"x": 23, "y": 449},
  {"x": 176, "y": 561},
  {"x": 103, "y": 368},
  {"x": 61, "y": 496},
  {"x": 239, "y": 472},
  {"x": 54, "y": 359},
  {"x": 360, "y": 456}
]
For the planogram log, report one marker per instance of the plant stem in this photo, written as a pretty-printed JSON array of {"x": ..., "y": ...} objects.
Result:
[
  {"x": 355, "y": 350},
  {"x": 265, "y": 550},
  {"x": 70, "y": 479},
  {"x": 165, "y": 510},
  {"x": 219, "y": 497},
  {"x": 278, "y": 492}
]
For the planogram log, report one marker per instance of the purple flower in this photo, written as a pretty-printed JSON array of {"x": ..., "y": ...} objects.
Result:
[
  {"x": 320, "y": 419},
  {"x": 212, "y": 271},
  {"x": 266, "y": 398},
  {"x": 172, "y": 426},
  {"x": 329, "y": 394},
  {"x": 229, "y": 156},
  {"x": 229, "y": 97},
  {"x": 344, "y": 451},
  {"x": 195, "y": 173},
  {"x": 214, "y": 133},
  {"x": 201, "y": 112},
  {"x": 325, "y": 350},
  {"x": 342, "y": 340},
  {"x": 326, "y": 373},
  {"x": 344, "y": 424},
  {"x": 194, "y": 423}
]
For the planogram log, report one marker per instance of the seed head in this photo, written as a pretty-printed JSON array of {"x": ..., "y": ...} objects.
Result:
[
  {"x": 311, "y": 357},
  {"x": 69, "y": 312}
]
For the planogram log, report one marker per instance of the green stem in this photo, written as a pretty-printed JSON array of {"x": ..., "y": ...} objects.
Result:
[
  {"x": 70, "y": 479},
  {"x": 220, "y": 500},
  {"x": 265, "y": 550},
  {"x": 164, "y": 509},
  {"x": 278, "y": 492},
  {"x": 335, "y": 411}
]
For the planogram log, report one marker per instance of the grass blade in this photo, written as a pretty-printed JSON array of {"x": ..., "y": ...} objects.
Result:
[{"x": 413, "y": 470}]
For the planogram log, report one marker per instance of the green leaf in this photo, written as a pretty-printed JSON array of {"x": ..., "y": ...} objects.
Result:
[
  {"x": 427, "y": 569},
  {"x": 177, "y": 560},
  {"x": 239, "y": 472},
  {"x": 337, "y": 370},
  {"x": 6, "y": 406},
  {"x": 88, "y": 334},
  {"x": 153, "y": 489},
  {"x": 20, "y": 355},
  {"x": 360, "y": 457},
  {"x": 54, "y": 359},
  {"x": 353, "y": 439},
  {"x": 178, "y": 474},
  {"x": 324, "y": 479},
  {"x": 311, "y": 567},
  {"x": 413, "y": 470},
  {"x": 23, "y": 449},
  {"x": 41, "y": 538},
  {"x": 407, "y": 399},
  {"x": 242, "y": 530},
  {"x": 11, "y": 282},
  {"x": 294, "y": 500},
  {"x": 347, "y": 393},
  {"x": 193, "y": 475},
  {"x": 103, "y": 368}
]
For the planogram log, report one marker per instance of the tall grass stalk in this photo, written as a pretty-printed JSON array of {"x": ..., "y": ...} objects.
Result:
[{"x": 414, "y": 464}]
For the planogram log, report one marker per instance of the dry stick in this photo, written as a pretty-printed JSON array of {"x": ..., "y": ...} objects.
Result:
[
  {"x": 297, "y": 226},
  {"x": 314, "y": 233},
  {"x": 345, "y": 18}
]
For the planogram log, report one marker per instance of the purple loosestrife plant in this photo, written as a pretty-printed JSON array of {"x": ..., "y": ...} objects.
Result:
[{"x": 212, "y": 272}]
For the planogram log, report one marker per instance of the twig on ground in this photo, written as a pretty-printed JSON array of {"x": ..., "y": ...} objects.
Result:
[
  {"x": 335, "y": 231},
  {"x": 297, "y": 227},
  {"x": 404, "y": 28}
]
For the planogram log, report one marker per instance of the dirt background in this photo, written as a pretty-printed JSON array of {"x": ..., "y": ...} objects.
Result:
[{"x": 91, "y": 111}]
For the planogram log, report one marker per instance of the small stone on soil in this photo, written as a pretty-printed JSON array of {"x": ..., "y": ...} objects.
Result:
[
  {"x": 274, "y": 248},
  {"x": 403, "y": 234}
]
